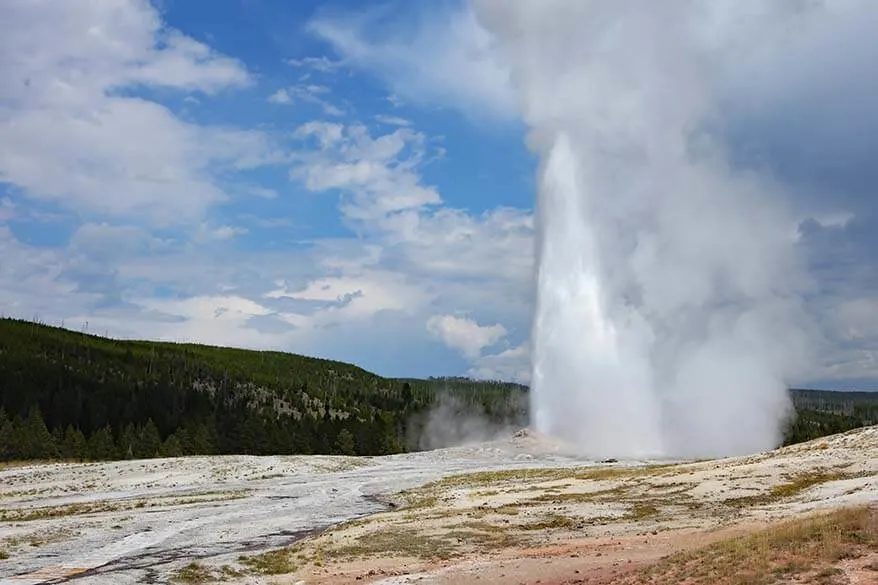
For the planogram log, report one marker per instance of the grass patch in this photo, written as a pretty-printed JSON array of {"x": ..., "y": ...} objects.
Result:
[
  {"x": 553, "y": 522},
  {"x": 804, "y": 550},
  {"x": 193, "y": 573},
  {"x": 3, "y": 555},
  {"x": 641, "y": 512},
  {"x": 484, "y": 478},
  {"x": 276, "y": 562},
  {"x": 791, "y": 488},
  {"x": 78, "y": 509},
  {"x": 398, "y": 542},
  {"x": 579, "y": 497}
]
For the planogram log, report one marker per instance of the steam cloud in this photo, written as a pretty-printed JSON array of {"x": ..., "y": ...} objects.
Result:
[
  {"x": 453, "y": 422},
  {"x": 667, "y": 316}
]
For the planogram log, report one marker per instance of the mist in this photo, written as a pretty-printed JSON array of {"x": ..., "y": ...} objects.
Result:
[
  {"x": 668, "y": 316},
  {"x": 455, "y": 422}
]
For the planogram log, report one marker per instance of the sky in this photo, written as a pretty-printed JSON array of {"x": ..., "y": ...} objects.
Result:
[{"x": 352, "y": 180}]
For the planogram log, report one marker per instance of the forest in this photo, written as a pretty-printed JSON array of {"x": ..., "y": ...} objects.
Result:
[
  {"x": 73, "y": 396},
  {"x": 65, "y": 394}
]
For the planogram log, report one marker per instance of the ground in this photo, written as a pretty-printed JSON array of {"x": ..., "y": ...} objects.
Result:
[{"x": 522, "y": 510}]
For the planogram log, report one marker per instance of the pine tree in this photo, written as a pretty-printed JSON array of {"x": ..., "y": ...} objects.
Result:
[
  {"x": 171, "y": 447},
  {"x": 7, "y": 437},
  {"x": 150, "y": 443},
  {"x": 344, "y": 443},
  {"x": 74, "y": 446},
  {"x": 101, "y": 446},
  {"x": 128, "y": 442},
  {"x": 38, "y": 442}
]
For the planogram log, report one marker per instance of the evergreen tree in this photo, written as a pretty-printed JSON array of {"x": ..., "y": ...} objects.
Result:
[
  {"x": 101, "y": 446},
  {"x": 128, "y": 442},
  {"x": 37, "y": 442},
  {"x": 344, "y": 443},
  {"x": 171, "y": 447},
  {"x": 74, "y": 445},
  {"x": 7, "y": 437},
  {"x": 149, "y": 443}
]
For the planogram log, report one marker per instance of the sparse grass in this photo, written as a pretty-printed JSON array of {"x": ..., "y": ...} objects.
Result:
[
  {"x": 400, "y": 542},
  {"x": 485, "y": 478},
  {"x": 193, "y": 573},
  {"x": 579, "y": 497},
  {"x": 33, "y": 462},
  {"x": 791, "y": 488},
  {"x": 342, "y": 463},
  {"x": 229, "y": 572},
  {"x": 79, "y": 509},
  {"x": 276, "y": 562},
  {"x": 804, "y": 550},
  {"x": 552, "y": 522},
  {"x": 641, "y": 511},
  {"x": 3, "y": 555},
  {"x": 27, "y": 515},
  {"x": 419, "y": 500}
]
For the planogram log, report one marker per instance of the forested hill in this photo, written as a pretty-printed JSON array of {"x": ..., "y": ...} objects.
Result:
[{"x": 74, "y": 395}]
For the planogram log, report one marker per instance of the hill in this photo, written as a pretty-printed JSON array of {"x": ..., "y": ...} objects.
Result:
[
  {"x": 75, "y": 395},
  {"x": 78, "y": 396}
]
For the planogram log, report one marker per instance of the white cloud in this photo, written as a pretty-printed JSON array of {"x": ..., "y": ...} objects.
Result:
[
  {"x": 322, "y": 63},
  {"x": 281, "y": 96},
  {"x": 208, "y": 232},
  {"x": 464, "y": 334},
  {"x": 512, "y": 364},
  {"x": 262, "y": 192},
  {"x": 69, "y": 136},
  {"x": 838, "y": 219},
  {"x": 305, "y": 94},
  {"x": 379, "y": 173},
  {"x": 445, "y": 58},
  {"x": 393, "y": 120}
]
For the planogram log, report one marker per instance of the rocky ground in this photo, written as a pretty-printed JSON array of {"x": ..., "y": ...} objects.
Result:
[{"x": 517, "y": 511}]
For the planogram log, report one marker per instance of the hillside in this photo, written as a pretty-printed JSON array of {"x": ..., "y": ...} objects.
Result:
[{"x": 77, "y": 396}]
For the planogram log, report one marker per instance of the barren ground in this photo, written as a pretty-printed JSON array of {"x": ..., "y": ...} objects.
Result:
[{"x": 516, "y": 511}]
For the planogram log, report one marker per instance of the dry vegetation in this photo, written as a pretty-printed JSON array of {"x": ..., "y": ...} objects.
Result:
[
  {"x": 26, "y": 514},
  {"x": 821, "y": 549}
]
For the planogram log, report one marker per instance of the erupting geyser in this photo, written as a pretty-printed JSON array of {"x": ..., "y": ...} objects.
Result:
[{"x": 667, "y": 317}]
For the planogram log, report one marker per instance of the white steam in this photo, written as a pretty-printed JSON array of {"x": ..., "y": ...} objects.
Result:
[
  {"x": 667, "y": 318},
  {"x": 454, "y": 422}
]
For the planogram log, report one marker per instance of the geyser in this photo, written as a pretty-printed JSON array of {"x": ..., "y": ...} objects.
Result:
[{"x": 667, "y": 317}]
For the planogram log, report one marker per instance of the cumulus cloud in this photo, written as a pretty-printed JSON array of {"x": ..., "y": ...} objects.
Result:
[
  {"x": 442, "y": 58},
  {"x": 309, "y": 94},
  {"x": 511, "y": 364},
  {"x": 464, "y": 334},
  {"x": 323, "y": 63},
  {"x": 71, "y": 136}
]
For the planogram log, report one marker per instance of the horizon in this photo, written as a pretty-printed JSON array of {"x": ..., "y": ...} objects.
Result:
[{"x": 353, "y": 183}]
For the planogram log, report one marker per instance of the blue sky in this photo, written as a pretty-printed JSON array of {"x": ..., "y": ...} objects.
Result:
[{"x": 351, "y": 179}]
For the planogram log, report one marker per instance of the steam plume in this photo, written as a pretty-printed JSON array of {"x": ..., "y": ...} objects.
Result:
[{"x": 666, "y": 319}]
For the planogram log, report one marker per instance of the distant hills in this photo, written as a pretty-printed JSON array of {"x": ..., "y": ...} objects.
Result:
[{"x": 71, "y": 395}]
